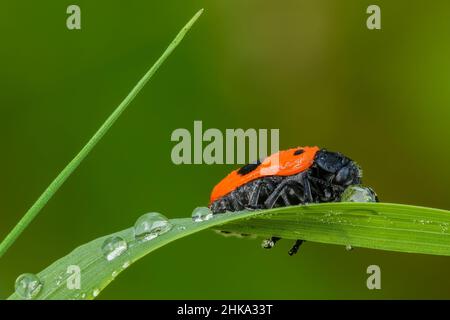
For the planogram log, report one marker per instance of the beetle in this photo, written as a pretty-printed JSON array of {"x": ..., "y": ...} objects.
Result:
[{"x": 291, "y": 177}]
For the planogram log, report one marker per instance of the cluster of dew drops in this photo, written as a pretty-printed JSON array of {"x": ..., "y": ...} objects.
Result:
[{"x": 147, "y": 227}]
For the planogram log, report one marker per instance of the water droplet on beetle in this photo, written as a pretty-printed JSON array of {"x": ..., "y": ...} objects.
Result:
[
  {"x": 200, "y": 214},
  {"x": 151, "y": 225},
  {"x": 28, "y": 286},
  {"x": 114, "y": 247}
]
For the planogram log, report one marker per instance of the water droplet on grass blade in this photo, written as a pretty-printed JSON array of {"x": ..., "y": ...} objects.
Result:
[
  {"x": 201, "y": 214},
  {"x": 151, "y": 225},
  {"x": 267, "y": 243},
  {"x": 349, "y": 247},
  {"x": 114, "y": 247},
  {"x": 28, "y": 286},
  {"x": 358, "y": 193},
  {"x": 95, "y": 292},
  {"x": 59, "y": 280}
]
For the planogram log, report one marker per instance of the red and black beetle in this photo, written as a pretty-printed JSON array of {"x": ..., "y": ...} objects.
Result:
[{"x": 291, "y": 177}]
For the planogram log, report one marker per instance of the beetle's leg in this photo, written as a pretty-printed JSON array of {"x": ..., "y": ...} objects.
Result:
[
  {"x": 297, "y": 179},
  {"x": 308, "y": 198},
  {"x": 295, "y": 247},
  {"x": 269, "y": 187},
  {"x": 302, "y": 179},
  {"x": 307, "y": 188},
  {"x": 236, "y": 202},
  {"x": 280, "y": 190},
  {"x": 297, "y": 192},
  {"x": 254, "y": 195},
  {"x": 284, "y": 196},
  {"x": 272, "y": 199},
  {"x": 266, "y": 190},
  {"x": 270, "y": 243}
]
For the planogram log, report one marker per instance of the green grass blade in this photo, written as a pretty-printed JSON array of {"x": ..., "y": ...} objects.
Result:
[
  {"x": 383, "y": 226},
  {"x": 67, "y": 171}
]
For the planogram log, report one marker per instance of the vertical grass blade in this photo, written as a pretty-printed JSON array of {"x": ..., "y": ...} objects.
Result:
[{"x": 67, "y": 171}]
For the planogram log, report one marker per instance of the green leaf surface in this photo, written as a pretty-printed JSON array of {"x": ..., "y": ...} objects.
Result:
[{"x": 383, "y": 226}]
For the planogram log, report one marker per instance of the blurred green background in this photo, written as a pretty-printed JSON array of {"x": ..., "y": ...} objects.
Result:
[{"x": 310, "y": 68}]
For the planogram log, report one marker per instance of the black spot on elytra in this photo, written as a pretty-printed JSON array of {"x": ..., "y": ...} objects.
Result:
[
  {"x": 248, "y": 168},
  {"x": 298, "y": 152}
]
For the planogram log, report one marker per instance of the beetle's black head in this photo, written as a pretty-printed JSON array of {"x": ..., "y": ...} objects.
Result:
[{"x": 342, "y": 170}]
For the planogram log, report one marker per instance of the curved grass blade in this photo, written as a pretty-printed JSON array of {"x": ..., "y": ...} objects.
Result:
[
  {"x": 97, "y": 272},
  {"x": 67, "y": 171},
  {"x": 384, "y": 226}
]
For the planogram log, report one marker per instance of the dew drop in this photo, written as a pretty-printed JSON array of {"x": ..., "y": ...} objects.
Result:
[
  {"x": 200, "y": 214},
  {"x": 150, "y": 225},
  {"x": 28, "y": 286},
  {"x": 114, "y": 247},
  {"x": 126, "y": 264},
  {"x": 267, "y": 243},
  {"x": 59, "y": 280},
  {"x": 349, "y": 247},
  {"x": 95, "y": 292},
  {"x": 358, "y": 193}
]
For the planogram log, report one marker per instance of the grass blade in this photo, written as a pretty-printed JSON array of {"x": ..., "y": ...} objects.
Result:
[
  {"x": 371, "y": 225},
  {"x": 384, "y": 226},
  {"x": 67, "y": 171}
]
